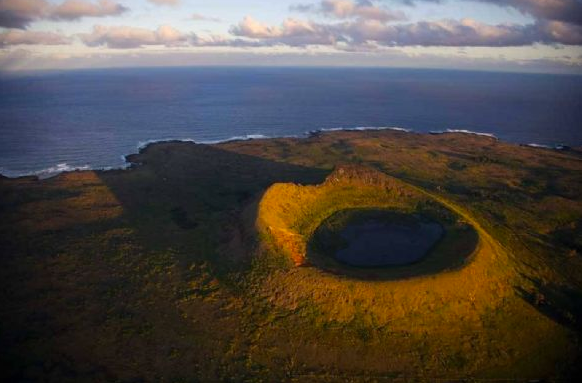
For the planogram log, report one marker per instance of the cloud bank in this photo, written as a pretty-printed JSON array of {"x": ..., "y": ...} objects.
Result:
[
  {"x": 370, "y": 32},
  {"x": 76, "y": 9},
  {"x": 568, "y": 11},
  {"x": 123, "y": 37},
  {"x": 21, "y": 13},
  {"x": 342, "y": 26},
  {"x": 291, "y": 32},
  {"x": 19, "y": 37}
]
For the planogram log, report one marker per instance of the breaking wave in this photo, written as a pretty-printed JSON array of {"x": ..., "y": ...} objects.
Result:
[
  {"x": 551, "y": 147},
  {"x": 64, "y": 167},
  {"x": 52, "y": 171},
  {"x": 463, "y": 131},
  {"x": 361, "y": 128},
  {"x": 144, "y": 144}
]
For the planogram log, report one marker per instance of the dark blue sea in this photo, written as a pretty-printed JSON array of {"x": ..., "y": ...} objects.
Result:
[{"x": 55, "y": 121}]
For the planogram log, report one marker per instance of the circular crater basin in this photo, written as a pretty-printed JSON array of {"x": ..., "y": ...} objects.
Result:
[
  {"x": 373, "y": 239},
  {"x": 390, "y": 243}
]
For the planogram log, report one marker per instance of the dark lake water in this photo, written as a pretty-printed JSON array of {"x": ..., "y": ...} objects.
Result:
[
  {"x": 56, "y": 121},
  {"x": 384, "y": 243}
]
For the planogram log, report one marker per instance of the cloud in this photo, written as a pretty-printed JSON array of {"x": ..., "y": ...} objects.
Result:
[
  {"x": 20, "y": 59},
  {"x": 569, "y": 11},
  {"x": 557, "y": 22},
  {"x": 199, "y": 17},
  {"x": 222, "y": 41},
  {"x": 121, "y": 37},
  {"x": 14, "y": 59},
  {"x": 18, "y": 37},
  {"x": 250, "y": 27},
  {"x": 20, "y": 13},
  {"x": 346, "y": 9},
  {"x": 466, "y": 32},
  {"x": 165, "y": 2},
  {"x": 565, "y": 33},
  {"x": 76, "y": 9},
  {"x": 292, "y": 32},
  {"x": 364, "y": 34},
  {"x": 125, "y": 37}
]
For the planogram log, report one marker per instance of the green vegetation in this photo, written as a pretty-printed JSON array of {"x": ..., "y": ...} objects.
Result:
[
  {"x": 290, "y": 215},
  {"x": 190, "y": 266}
]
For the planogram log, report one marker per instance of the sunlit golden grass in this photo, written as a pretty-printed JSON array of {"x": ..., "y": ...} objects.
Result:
[
  {"x": 454, "y": 308},
  {"x": 194, "y": 265},
  {"x": 288, "y": 214},
  {"x": 77, "y": 198}
]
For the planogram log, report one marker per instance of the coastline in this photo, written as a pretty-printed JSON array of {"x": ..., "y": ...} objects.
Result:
[
  {"x": 60, "y": 168},
  {"x": 185, "y": 241}
]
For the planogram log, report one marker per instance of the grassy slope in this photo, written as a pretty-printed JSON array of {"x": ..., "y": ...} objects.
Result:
[
  {"x": 424, "y": 310},
  {"x": 288, "y": 215},
  {"x": 149, "y": 273}
]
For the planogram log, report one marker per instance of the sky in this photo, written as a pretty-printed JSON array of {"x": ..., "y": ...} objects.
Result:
[{"x": 497, "y": 35}]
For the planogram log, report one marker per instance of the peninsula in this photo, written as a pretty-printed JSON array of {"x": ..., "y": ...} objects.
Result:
[{"x": 232, "y": 262}]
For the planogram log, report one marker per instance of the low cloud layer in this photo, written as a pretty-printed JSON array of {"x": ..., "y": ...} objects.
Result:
[
  {"x": 121, "y": 37},
  {"x": 291, "y": 32},
  {"x": 366, "y": 32},
  {"x": 340, "y": 26},
  {"x": 19, "y": 37},
  {"x": 20, "y": 13},
  {"x": 466, "y": 32},
  {"x": 22, "y": 59},
  {"x": 349, "y": 36}
]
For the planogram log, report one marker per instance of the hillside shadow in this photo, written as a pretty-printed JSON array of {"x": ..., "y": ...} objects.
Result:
[
  {"x": 191, "y": 198},
  {"x": 562, "y": 304},
  {"x": 89, "y": 253}
]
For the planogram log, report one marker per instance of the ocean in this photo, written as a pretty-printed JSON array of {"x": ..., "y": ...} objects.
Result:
[{"x": 55, "y": 121}]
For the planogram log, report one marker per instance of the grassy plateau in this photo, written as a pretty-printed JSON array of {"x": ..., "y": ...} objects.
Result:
[{"x": 206, "y": 263}]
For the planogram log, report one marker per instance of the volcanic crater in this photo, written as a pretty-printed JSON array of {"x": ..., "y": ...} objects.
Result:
[{"x": 365, "y": 224}]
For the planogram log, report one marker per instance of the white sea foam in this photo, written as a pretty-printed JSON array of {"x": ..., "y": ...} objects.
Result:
[
  {"x": 246, "y": 137},
  {"x": 64, "y": 167},
  {"x": 53, "y": 171},
  {"x": 144, "y": 144},
  {"x": 464, "y": 131},
  {"x": 362, "y": 128},
  {"x": 543, "y": 146},
  {"x": 382, "y": 128},
  {"x": 57, "y": 169}
]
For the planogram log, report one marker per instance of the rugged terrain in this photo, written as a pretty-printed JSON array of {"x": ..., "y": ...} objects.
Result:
[{"x": 193, "y": 265}]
